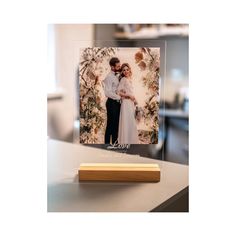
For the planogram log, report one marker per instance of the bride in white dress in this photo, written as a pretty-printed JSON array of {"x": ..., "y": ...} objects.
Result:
[{"x": 128, "y": 133}]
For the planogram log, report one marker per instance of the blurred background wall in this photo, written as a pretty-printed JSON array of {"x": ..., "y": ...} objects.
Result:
[{"x": 62, "y": 108}]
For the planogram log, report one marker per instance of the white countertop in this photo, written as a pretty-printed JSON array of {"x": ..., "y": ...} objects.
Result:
[{"x": 66, "y": 193}]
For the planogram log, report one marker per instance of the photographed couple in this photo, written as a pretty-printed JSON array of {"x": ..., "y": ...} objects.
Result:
[{"x": 120, "y": 105}]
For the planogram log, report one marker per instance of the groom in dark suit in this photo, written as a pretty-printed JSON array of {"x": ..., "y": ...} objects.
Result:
[{"x": 111, "y": 83}]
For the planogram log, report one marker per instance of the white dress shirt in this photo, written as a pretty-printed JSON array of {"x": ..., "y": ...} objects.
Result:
[{"x": 110, "y": 85}]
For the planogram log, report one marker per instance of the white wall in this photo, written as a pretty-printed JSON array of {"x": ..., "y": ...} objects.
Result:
[
  {"x": 177, "y": 73},
  {"x": 62, "y": 112}
]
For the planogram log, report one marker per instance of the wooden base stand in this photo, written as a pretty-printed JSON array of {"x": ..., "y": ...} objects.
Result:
[{"x": 128, "y": 172}]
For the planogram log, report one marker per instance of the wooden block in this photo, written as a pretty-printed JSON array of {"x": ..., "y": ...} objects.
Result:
[{"x": 128, "y": 172}]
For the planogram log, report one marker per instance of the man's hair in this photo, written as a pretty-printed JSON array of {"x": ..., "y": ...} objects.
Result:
[{"x": 113, "y": 61}]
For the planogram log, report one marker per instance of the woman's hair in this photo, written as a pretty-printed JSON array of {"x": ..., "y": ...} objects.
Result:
[{"x": 122, "y": 67}]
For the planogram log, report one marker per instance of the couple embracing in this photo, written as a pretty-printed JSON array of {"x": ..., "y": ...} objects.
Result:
[{"x": 120, "y": 105}]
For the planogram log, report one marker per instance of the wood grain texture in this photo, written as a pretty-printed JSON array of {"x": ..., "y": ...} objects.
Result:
[{"x": 127, "y": 172}]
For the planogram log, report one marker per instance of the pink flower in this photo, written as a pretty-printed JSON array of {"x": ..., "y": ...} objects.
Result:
[
  {"x": 142, "y": 65},
  {"x": 138, "y": 57}
]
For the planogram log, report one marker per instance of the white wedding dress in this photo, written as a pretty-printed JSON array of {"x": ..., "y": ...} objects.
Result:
[{"x": 128, "y": 132}]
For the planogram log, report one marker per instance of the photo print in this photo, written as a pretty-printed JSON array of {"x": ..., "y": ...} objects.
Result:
[{"x": 119, "y": 95}]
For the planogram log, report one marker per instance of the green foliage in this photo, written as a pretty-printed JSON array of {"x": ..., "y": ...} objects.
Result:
[
  {"x": 148, "y": 60},
  {"x": 92, "y": 116}
]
